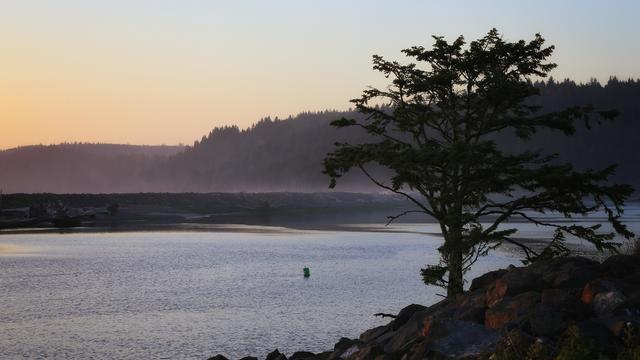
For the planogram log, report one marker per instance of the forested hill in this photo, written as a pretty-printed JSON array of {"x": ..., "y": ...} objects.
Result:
[
  {"x": 286, "y": 154},
  {"x": 79, "y": 167},
  {"x": 272, "y": 155}
]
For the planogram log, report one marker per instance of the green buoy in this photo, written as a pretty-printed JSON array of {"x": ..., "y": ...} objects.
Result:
[{"x": 306, "y": 272}]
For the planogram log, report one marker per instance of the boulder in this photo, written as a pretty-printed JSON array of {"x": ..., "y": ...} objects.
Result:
[
  {"x": 408, "y": 332},
  {"x": 384, "y": 339},
  {"x": 598, "y": 336},
  {"x": 565, "y": 302},
  {"x": 301, "y": 355},
  {"x": 623, "y": 315},
  {"x": 604, "y": 303},
  {"x": 617, "y": 324},
  {"x": 572, "y": 274},
  {"x": 405, "y": 314},
  {"x": 510, "y": 310},
  {"x": 513, "y": 344},
  {"x": 374, "y": 333},
  {"x": 514, "y": 282},
  {"x": 630, "y": 307},
  {"x": 621, "y": 267},
  {"x": 276, "y": 355},
  {"x": 469, "y": 306},
  {"x": 547, "y": 321},
  {"x": 344, "y": 348},
  {"x": 599, "y": 285},
  {"x": 486, "y": 281},
  {"x": 321, "y": 356},
  {"x": 367, "y": 352},
  {"x": 458, "y": 339},
  {"x": 419, "y": 350},
  {"x": 218, "y": 357}
]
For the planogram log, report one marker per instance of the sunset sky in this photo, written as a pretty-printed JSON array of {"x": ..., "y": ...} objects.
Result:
[{"x": 155, "y": 71}]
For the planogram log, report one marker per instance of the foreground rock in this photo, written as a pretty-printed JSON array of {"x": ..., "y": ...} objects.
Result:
[{"x": 568, "y": 307}]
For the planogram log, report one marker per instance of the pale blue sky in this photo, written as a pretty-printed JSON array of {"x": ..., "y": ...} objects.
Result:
[{"x": 114, "y": 70}]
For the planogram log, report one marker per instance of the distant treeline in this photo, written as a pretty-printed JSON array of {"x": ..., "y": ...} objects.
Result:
[
  {"x": 286, "y": 154},
  {"x": 79, "y": 167},
  {"x": 210, "y": 203}
]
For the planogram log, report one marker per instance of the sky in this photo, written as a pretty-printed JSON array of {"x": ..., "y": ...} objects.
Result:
[{"x": 167, "y": 72}]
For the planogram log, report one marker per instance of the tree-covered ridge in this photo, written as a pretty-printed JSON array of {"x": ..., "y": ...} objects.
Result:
[
  {"x": 79, "y": 167},
  {"x": 286, "y": 154}
]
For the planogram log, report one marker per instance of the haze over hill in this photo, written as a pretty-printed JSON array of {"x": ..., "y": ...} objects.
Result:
[
  {"x": 78, "y": 168},
  {"x": 286, "y": 155}
]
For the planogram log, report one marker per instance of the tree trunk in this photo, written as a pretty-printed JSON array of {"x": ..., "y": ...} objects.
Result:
[
  {"x": 456, "y": 282},
  {"x": 454, "y": 260}
]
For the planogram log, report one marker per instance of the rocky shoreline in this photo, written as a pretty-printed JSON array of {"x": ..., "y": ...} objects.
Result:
[{"x": 563, "y": 308}]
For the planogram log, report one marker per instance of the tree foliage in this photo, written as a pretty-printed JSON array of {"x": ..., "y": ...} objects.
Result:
[{"x": 435, "y": 128}]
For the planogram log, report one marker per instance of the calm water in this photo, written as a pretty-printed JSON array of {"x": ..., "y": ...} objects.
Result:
[{"x": 196, "y": 294}]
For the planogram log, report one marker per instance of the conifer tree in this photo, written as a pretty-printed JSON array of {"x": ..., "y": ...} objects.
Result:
[{"x": 436, "y": 131}]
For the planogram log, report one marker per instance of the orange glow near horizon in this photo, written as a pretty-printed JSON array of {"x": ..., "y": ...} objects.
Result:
[{"x": 167, "y": 72}]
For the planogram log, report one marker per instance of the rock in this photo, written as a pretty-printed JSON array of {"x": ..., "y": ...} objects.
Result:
[
  {"x": 486, "y": 281},
  {"x": 510, "y": 310},
  {"x": 367, "y": 352},
  {"x": 469, "y": 306},
  {"x": 460, "y": 339},
  {"x": 564, "y": 302},
  {"x": 374, "y": 333},
  {"x": 625, "y": 314},
  {"x": 572, "y": 274},
  {"x": 276, "y": 355},
  {"x": 630, "y": 308},
  {"x": 599, "y": 337},
  {"x": 350, "y": 351},
  {"x": 321, "y": 356},
  {"x": 546, "y": 321},
  {"x": 588, "y": 293},
  {"x": 218, "y": 357},
  {"x": 591, "y": 289},
  {"x": 384, "y": 339},
  {"x": 405, "y": 314},
  {"x": 249, "y": 358},
  {"x": 621, "y": 267},
  {"x": 617, "y": 324},
  {"x": 514, "y": 282},
  {"x": 408, "y": 332},
  {"x": 605, "y": 303},
  {"x": 344, "y": 348},
  {"x": 419, "y": 350},
  {"x": 386, "y": 357},
  {"x": 513, "y": 344},
  {"x": 301, "y": 355}
]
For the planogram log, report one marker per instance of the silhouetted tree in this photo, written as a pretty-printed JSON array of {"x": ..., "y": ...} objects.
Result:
[{"x": 437, "y": 136}]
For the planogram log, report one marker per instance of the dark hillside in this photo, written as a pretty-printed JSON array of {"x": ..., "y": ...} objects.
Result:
[
  {"x": 76, "y": 168},
  {"x": 286, "y": 155}
]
